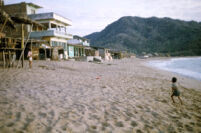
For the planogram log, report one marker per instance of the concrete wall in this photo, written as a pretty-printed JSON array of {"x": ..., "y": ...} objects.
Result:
[
  {"x": 85, "y": 43},
  {"x": 102, "y": 53},
  {"x": 30, "y": 9}
]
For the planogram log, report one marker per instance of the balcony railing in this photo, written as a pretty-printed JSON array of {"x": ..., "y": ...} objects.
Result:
[{"x": 50, "y": 33}]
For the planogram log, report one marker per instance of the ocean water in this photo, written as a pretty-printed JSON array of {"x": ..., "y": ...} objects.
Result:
[{"x": 190, "y": 67}]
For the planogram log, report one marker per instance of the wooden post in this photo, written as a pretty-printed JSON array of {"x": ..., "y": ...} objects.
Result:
[
  {"x": 9, "y": 59},
  {"x": 4, "y": 60},
  {"x": 4, "y": 24},
  {"x": 22, "y": 45},
  {"x": 50, "y": 53},
  {"x": 31, "y": 45},
  {"x": 45, "y": 54}
]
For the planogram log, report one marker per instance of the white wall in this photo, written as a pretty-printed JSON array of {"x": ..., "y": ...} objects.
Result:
[{"x": 29, "y": 8}]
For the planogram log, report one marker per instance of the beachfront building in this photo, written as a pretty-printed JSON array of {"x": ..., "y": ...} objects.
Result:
[
  {"x": 77, "y": 46},
  {"x": 54, "y": 30},
  {"x": 21, "y": 10},
  {"x": 104, "y": 53},
  {"x": 56, "y": 33},
  {"x": 12, "y": 41},
  {"x": 84, "y": 41}
]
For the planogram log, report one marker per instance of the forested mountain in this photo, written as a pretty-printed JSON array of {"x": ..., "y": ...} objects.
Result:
[{"x": 150, "y": 35}]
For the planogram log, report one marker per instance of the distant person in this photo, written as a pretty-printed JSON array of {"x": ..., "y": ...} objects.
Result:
[
  {"x": 175, "y": 91},
  {"x": 30, "y": 58}
]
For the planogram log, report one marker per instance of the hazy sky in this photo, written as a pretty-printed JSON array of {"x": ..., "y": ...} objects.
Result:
[{"x": 94, "y": 15}]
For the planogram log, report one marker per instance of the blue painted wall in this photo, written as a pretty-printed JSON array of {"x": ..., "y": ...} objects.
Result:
[{"x": 71, "y": 51}]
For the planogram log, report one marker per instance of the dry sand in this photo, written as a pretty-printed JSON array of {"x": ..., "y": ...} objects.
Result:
[{"x": 122, "y": 96}]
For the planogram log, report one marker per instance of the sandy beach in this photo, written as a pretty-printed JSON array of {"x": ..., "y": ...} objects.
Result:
[{"x": 121, "y": 96}]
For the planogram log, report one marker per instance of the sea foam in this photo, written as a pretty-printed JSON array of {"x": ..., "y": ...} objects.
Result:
[{"x": 190, "y": 67}]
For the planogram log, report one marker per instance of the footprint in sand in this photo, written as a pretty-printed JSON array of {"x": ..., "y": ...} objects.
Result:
[
  {"x": 129, "y": 114},
  {"x": 18, "y": 116},
  {"x": 185, "y": 115},
  {"x": 119, "y": 124},
  {"x": 155, "y": 115},
  {"x": 147, "y": 127},
  {"x": 27, "y": 123},
  {"x": 138, "y": 131},
  {"x": 179, "y": 124},
  {"x": 52, "y": 113},
  {"x": 189, "y": 128},
  {"x": 10, "y": 124},
  {"x": 43, "y": 115},
  {"x": 170, "y": 129},
  {"x": 134, "y": 123}
]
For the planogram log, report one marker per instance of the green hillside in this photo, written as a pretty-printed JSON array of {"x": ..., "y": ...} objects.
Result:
[{"x": 150, "y": 35}]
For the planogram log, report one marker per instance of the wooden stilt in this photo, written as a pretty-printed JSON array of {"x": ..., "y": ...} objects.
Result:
[
  {"x": 22, "y": 45},
  {"x": 31, "y": 45},
  {"x": 45, "y": 54},
  {"x": 4, "y": 24},
  {"x": 9, "y": 59},
  {"x": 4, "y": 60},
  {"x": 50, "y": 52}
]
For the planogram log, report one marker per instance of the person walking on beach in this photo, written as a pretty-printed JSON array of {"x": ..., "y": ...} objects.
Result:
[
  {"x": 30, "y": 58},
  {"x": 175, "y": 91}
]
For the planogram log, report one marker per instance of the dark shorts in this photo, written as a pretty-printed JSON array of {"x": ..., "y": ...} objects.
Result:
[{"x": 176, "y": 93}]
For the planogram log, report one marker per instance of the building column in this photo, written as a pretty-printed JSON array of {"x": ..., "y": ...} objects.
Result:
[{"x": 50, "y": 25}]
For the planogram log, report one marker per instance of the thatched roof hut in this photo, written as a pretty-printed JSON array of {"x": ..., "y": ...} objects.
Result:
[
  {"x": 25, "y": 20},
  {"x": 11, "y": 20},
  {"x": 5, "y": 18}
]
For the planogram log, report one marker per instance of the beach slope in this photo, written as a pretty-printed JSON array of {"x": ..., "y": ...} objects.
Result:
[{"x": 122, "y": 96}]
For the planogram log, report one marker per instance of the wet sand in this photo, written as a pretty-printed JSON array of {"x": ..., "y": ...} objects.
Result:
[{"x": 122, "y": 96}]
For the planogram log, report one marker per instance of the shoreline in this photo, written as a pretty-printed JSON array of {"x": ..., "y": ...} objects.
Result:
[
  {"x": 118, "y": 96},
  {"x": 151, "y": 60}
]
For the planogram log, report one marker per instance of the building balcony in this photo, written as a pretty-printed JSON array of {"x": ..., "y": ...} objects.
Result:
[
  {"x": 50, "y": 33},
  {"x": 43, "y": 17}
]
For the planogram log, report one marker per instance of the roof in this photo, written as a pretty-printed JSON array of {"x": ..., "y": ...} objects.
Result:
[
  {"x": 25, "y": 20},
  {"x": 50, "y": 16},
  {"x": 30, "y": 4},
  {"x": 98, "y": 47},
  {"x": 34, "y": 5},
  {"x": 81, "y": 38},
  {"x": 4, "y": 16},
  {"x": 74, "y": 42}
]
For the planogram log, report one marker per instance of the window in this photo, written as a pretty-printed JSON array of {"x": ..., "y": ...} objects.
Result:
[
  {"x": 33, "y": 11},
  {"x": 64, "y": 46},
  {"x": 54, "y": 43}
]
